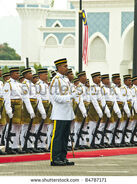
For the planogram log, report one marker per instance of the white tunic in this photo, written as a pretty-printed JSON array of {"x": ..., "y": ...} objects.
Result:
[{"x": 61, "y": 99}]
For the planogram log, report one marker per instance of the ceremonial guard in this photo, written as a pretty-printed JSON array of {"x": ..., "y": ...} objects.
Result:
[
  {"x": 43, "y": 91},
  {"x": 62, "y": 114},
  {"x": 31, "y": 105},
  {"x": 109, "y": 124},
  {"x": 97, "y": 103},
  {"x": 13, "y": 105},
  {"x": 6, "y": 76},
  {"x": 134, "y": 95},
  {"x": 127, "y": 95}
]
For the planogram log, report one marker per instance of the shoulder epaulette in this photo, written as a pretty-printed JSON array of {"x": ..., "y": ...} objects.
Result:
[
  {"x": 9, "y": 80},
  {"x": 56, "y": 77},
  {"x": 24, "y": 82}
]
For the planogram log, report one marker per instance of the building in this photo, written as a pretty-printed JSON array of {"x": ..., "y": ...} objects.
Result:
[{"x": 49, "y": 34}]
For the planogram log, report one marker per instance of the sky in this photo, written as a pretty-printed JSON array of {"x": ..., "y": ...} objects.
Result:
[{"x": 10, "y": 25}]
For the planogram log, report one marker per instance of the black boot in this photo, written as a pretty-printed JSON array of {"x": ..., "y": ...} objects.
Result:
[
  {"x": 2, "y": 153},
  {"x": 58, "y": 163},
  {"x": 18, "y": 151},
  {"x": 10, "y": 151}
]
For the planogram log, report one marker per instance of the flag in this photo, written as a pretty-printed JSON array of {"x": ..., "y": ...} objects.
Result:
[{"x": 85, "y": 41}]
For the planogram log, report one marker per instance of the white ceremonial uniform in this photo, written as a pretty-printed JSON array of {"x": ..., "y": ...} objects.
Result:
[
  {"x": 43, "y": 91},
  {"x": 82, "y": 97},
  {"x": 127, "y": 95},
  {"x": 61, "y": 99},
  {"x": 95, "y": 97},
  {"x": 109, "y": 95},
  {"x": 1, "y": 96},
  {"x": 134, "y": 100},
  {"x": 12, "y": 91},
  {"x": 29, "y": 91}
]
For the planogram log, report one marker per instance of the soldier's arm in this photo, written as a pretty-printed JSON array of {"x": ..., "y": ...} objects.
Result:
[{"x": 6, "y": 95}]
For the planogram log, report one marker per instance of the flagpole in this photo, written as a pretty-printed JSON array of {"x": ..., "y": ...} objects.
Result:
[
  {"x": 80, "y": 36},
  {"x": 135, "y": 40}
]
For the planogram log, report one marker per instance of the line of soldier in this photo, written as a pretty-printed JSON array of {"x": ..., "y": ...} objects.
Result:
[
  {"x": 109, "y": 109},
  {"x": 24, "y": 106}
]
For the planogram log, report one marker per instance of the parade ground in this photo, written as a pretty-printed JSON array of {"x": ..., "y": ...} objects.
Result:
[{"x": 123, "y": 165}]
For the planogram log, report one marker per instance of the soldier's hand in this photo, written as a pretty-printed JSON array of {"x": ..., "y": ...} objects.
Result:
[
  {"x": 43, "y": 116},
  {"x": 128, "y": 115},
  {"x": 32, "y": 115},
  {"x": 107, "y": 112},
  {"x": 84, "y": 115},
  {"x": 100, "y": 114},
  {"x": 119, "y": 115},
  {"x": 10, "y": 115},
  {"x": 0, "y": 116}
]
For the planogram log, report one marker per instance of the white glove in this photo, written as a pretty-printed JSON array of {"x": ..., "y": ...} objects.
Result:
[
  {"x": 100, "y": 114},
  {"x": 119, "y": 115},
  {"x": 0, "y": 116},
  {"x": 74, "y": 95},
  {"x": 32, "y": 115},
  {"x": 107, "y": 112},
  {"x": 84, "y": 115},
  {"x": 10, "y": 115},
  {"x": 43, "y": 116},
  {"x": 128, "y": 115}
]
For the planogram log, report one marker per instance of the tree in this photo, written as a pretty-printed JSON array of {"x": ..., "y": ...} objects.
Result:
[
  {"x": 52, "y": 3},
  {"x": 8, "y": 53}
]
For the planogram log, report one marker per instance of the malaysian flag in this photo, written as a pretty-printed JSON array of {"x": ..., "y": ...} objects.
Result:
[{"x": 85, "y": 41}]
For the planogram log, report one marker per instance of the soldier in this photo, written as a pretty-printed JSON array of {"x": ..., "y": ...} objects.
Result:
[
  {"x": 2, "y": 112},
  {"x": 134, "y": 95},
  {"x": 6, "y": 76},
  {"x": 62, "y": 114},
  {"x": 21, "y": 79},
  {"x": 31, "y": 103},
  {"x": 111, "y": 102},
  {"x": 97, "y": 102},
  {"x": 82, "y": 108},
  {"x": 76, "y": 81},
  {"x": 13, "y": 105},
  {"x": 127, "y": 95},
  {"x": 43, "y": 90},
  {"x": 122, "y": 103}
]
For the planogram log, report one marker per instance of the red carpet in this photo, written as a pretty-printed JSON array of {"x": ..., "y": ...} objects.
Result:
[{"x": 83, "y": 154}]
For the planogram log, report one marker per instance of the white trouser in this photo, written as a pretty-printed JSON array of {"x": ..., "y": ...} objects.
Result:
[
  {"x": 92, "y": 126},
  {"x": 76, "y": 131},
  {"x": 15, "y": 139},
  {"x": 23, "y": 134},
  {"x": 1, "y": 131},
  {"x": 129, "y": 135},
  {"x": 120, "y": 135},
  {"x": 71, "y": 131},
  {"x": 135, "y": 137},
  {"x": 42, "y": 143},
  {"x": 49, "y": 134},
  {"x": 109, "y": 136}
]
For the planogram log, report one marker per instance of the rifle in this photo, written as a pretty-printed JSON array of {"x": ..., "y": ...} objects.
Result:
[
  {"x": 39, "y": 133},
  {"x": 81, "y": 131},
  {"x": 116, "y": 131},
  {"x": 95, "y": 134},
  {"x": 9, "y": 133},
  {"x": 29, "y": 133}
]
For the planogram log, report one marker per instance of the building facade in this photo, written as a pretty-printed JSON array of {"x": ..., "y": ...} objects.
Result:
[{"x": 49, "y": 34}]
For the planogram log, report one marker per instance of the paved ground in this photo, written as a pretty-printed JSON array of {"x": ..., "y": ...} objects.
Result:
[{"x": 101, "y": 166}]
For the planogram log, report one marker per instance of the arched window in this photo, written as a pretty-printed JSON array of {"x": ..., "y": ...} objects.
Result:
[
  {"x": 57, "y": 25},
  {"x": 69, "y": 42},
  {"x": 51, "y": 42},
  {"x": 97, "y": 50}
]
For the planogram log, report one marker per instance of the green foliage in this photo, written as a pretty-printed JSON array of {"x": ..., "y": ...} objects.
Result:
[
  {"x": 37, "y": 67},
  {"x": 5, "y": 69},
  {"x": 8, "y": 53},
  {"x": 52, "y": 3}
]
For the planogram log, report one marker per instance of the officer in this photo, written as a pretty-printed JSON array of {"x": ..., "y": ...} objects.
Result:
[
  {"x": 13, "y": 100},
  {"x": 62, "y": 114}
]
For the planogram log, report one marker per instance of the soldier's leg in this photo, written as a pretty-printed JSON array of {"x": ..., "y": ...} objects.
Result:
[
  {"x": 49, "y": 135},
  {"x": 76, "y": 129},
  {"x": 65, "y": 139},
  {"x": 98, "y": 139},
  {"x": 57, "y": 140},
  {"x": 92, "y": 126},
  {"x": 130, "y": 127}
]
